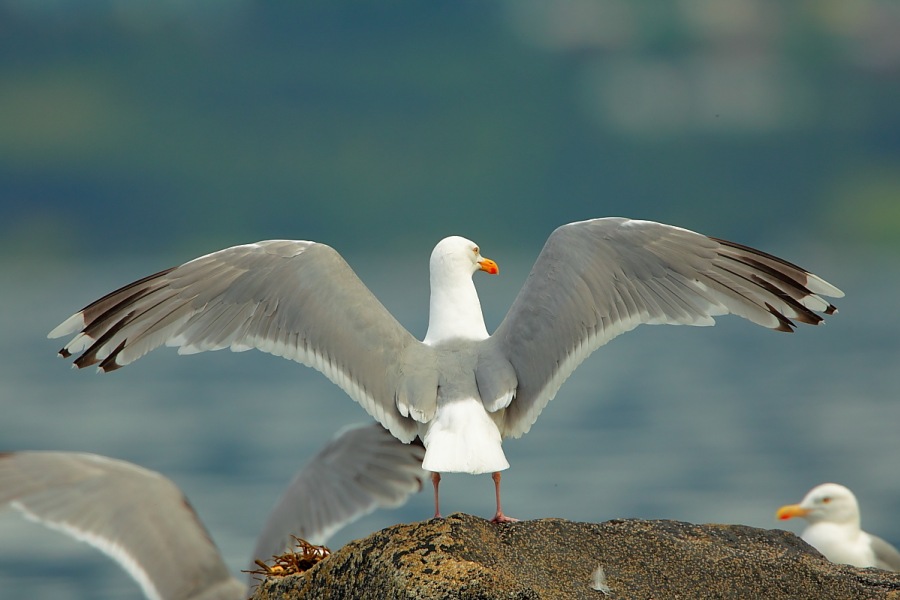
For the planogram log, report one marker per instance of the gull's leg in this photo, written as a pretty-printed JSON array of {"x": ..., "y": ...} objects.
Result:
[
  {"x": 499, "y": 517},
  {"x": 436, "y": 481}
]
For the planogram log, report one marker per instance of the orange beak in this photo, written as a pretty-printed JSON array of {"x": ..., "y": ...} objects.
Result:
[
  {"x": 488, "y": 266},
  {"x": 791, "y": 510}
]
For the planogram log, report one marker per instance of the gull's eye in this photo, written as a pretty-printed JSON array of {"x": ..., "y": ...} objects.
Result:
[
  {"x": 826, "y": 499},
  {"x": 475, "y": 249}
]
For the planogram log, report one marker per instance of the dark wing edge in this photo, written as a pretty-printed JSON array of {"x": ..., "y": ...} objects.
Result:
[
  {"x": 597, "y": 279},
  {"x": 295, "y": 299}
]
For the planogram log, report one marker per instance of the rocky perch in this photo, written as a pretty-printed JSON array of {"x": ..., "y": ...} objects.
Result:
[{"x": 465, "y": 557}]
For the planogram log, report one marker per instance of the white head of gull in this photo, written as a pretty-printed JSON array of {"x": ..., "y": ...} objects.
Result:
[
  {"x": 460, "y": 390},
  {"x": 834, "y": 529},
  {"x": 143, "y": 521},
  {"x": 455, "y": 311}
]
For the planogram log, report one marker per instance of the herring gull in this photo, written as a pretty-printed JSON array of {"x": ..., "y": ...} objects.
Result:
[
  {"x": 460, "y": 389},
  {"x": 143, "y": 521},
  {"x": 834, "y": 529}
]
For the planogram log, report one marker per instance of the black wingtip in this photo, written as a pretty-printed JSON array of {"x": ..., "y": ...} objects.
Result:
[
  {"x": 85, "y": 360},
  {"x": 784, "y": 324},
  {"x": 109, "y": 364}
]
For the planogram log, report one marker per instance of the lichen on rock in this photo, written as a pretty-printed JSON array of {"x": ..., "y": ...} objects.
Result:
[{"x": 466, "y": 558}]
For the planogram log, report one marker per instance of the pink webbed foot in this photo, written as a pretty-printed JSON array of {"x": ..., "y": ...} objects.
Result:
[{"x": 499, "y": 517}]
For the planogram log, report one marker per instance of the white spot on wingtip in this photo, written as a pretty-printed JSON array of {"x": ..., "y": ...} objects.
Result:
[
  {"x": 70, "y": 325},
  {"x": 598, "y": 581}
]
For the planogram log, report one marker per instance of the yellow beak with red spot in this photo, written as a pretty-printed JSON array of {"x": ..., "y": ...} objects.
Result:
[
  {"x": 488, "y": 266},
  {"x": 791, "y": 510}
]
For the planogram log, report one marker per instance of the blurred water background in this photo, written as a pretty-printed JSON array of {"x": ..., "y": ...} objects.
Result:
[{"x": 137, "y": 135}]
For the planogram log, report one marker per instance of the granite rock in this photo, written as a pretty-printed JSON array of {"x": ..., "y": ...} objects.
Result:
[{"x": 465, "y": 557}]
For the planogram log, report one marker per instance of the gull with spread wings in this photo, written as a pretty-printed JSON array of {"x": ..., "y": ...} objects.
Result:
[{"x": 461, "y": 390}]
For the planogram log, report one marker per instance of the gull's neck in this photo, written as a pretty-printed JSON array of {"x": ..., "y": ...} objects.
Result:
[
  {"x": 848, "y": 529},
  {"x": 455, "y": 312},
  {"x": 844, "y": 517}
]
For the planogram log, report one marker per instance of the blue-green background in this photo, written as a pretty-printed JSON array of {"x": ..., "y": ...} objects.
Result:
[{"x": 135, "y": 135}]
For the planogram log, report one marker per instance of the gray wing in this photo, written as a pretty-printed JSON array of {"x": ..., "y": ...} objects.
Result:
[
  {"x": 886, "y": 556},
  {"x": 295, "y": 299},
  {"x": 361, "y": 469},
  {"x": 137, "y": 517},
  {"x": 596, "y": 279}
]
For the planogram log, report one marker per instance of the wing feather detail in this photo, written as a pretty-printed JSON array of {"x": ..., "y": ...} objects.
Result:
[
  {"x": 597, "y": 279},
  {"x": 362, "y": 469},
  {"x": 295, "y": 299},
  {"x": 101, "y": 501}
]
